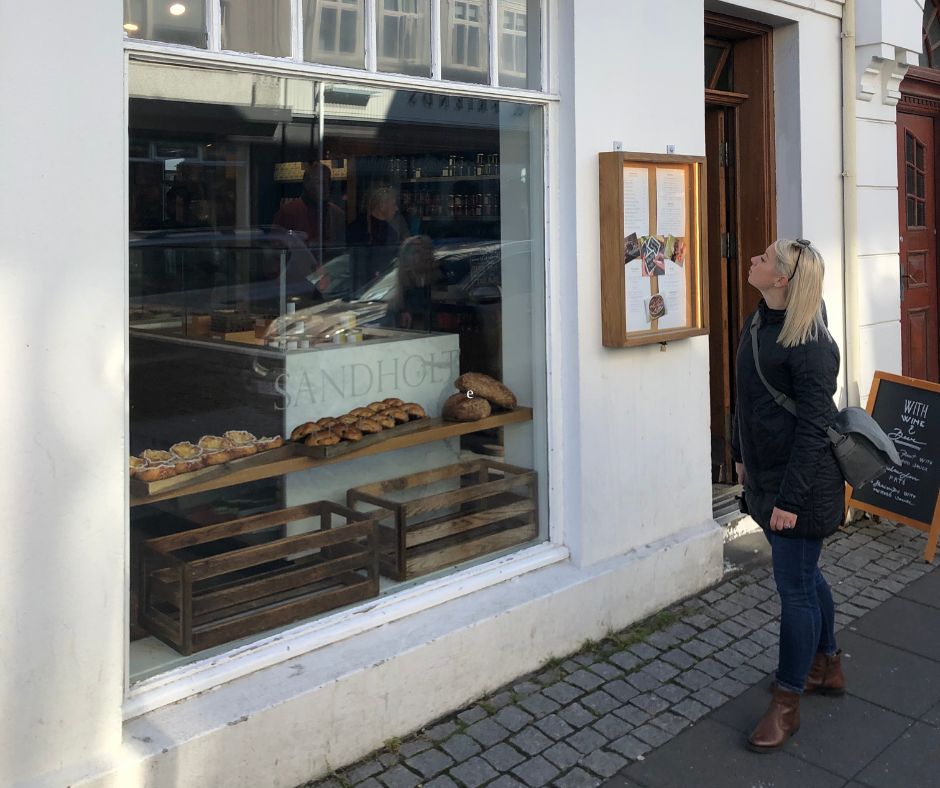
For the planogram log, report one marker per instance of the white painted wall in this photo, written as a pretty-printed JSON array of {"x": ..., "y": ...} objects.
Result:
[{"x": 62, "y": 261}]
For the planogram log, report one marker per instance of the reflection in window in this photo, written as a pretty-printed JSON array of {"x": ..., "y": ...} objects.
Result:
[
  {"x": 261, "y": 26},
  {"x": 465, "y": 48},
  {"x": 519, "y": 32},
  {"x": 333, "y": 32},
  {"x": 172, "y": 23},
  {"x": 405, "y": 37}
]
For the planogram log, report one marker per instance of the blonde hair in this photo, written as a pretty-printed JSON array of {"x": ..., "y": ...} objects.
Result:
[{"x": 804, "y": 295}]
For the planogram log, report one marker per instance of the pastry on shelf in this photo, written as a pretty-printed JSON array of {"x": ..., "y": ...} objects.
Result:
[
  {"x": 218, "y": 450},
  {"x": 414, "y": 410},
  {"x": 322, "y": 438},
  {"x": 301, "y": 431},
  {"x": 268, "y": 443},
  {"x": 393, "y": 402},
  {"x": 460, "y": 407},
  {"x": 188, "y": 457},
  {"x": 136, "y": 464},
  {"x": 368, "y": 426},
  {"x": 243, "y": 443},
  {"x": 348, "y": 433},
  {"x": 154, "y": 473},
  {"x": 488, "y": 388},
  {"x": 378, "y": 407},
  {"x": 156, "y": 456},
  {"x": 385, "y": 420},
  {"x": 399, "y": 414}
]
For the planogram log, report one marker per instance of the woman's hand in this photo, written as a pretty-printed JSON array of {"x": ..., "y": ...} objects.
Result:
[{"x": 781, "y": 520}]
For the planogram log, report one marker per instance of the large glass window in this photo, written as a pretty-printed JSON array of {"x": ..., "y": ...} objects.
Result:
[
  {"x": 465, "y": 48},
  {"x": 333, "y": 32},
  {"x": 405, "y": 36},
  {"x": 261, "y": 26},
  {"x": 356, "y": 267},
  {"x": 172, "y": 22}
]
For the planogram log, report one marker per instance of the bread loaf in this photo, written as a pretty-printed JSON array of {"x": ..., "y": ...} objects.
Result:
[
  {"x": 489, "y": 388},
  {"x": 460, "y": 407}
]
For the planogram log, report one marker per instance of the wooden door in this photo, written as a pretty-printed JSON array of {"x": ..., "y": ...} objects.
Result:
[
  {"x": 717, "y": 147},
  {"x": 917, "y": 172}
]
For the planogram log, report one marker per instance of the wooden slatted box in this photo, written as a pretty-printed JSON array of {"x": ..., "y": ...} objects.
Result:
[
  {"x": 215, "y": 584},
  {"x": 439, "y": 518}
]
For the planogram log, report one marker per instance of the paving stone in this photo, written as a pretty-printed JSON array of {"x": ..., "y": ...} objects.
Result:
[
  {"x": 564, "y": 756},
  {"x": 370, "y": 783},
  {"x": 441, "y": 731},
  {"x": 644, "y": 651},
  {"x": 474, "y": 772},
  {"x": 672, "y": 692},
  {"x": 746, "y": 674},
  {"x": 570, "y": 666},
  {"x": 472, "y": 715},
  {"x": 643, "y": 680},
  {"x": 650, "y": 702},
  {"x": 536, "y": 771},
  {"x": 748, "y": 647},
  {"x": 399, "y": 777},
  {"x": 538, "y": 705},
  {"x": 505, "y": 781},
  {"x": 487, "y": 732},
  {"x": 503, "y": 757},
  {"x": 604, "y": 764},
  {"x": 586, "y": 740},
  {"x": 441, "y": 781},
  {"x": 715, "y": 637},
  {"x": 727, "y": 608},
  {"x": 763, "y": 638},
  {"x": 577, "y": 778},
  {"x": 712, "y": 667},
  {"x": 388, "y": 759},
  {"x": 599, "y": 702},
  {"x": 430, "y": 763},
  {"x": 585, "y": 659},
  {"x": 363, "y": 771},
  {"x": 709, "y": 697},
  {"x": 525, "y": 688},
  {"x": 605, "y": 670},
  {"x": 681, "y": 630},
  {"x": 698, "y": 648},
  {"x": 693, "y": 679},
  {"x": 669, "y": 722},
  {"x": 681, "y": 659},
  {"x": 512, "y": 718},
  {"x": 554, "y": 726},
  {"x": 500, "y": 699},
  {"x": 625, "y": 660},
  {"x": 728, "y": 686},
  {"x": 531, "y": 741},
  {"x": 633, "y": 714},
  {"x": 576, "y": 715},
  {"x": 630, "y": 747},
  {"x": 662, "y": 640},
  {"x": 661, "y": 670},
  {"x": 699, "y": 621},
  {"x": 612, "y": 727},
  {"x": 460, "y": 747},
  {"x": 413, "y": 747},
  {"x": 691, "y": 709},
  {"x": 765, "y": 662},
  {"x": 620, "y": 690},
  {"x": 711, "y": 597},
  {"x": 734, "y": 629},
  {"x": 585, "y": 679},
  {"x": 730, "y": 657},
  {"x": 563, "y": 692},
  {"x": 652, "y": 735}
]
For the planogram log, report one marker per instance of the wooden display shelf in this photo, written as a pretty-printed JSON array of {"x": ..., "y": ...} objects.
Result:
[{"x": 434, "y": 430}]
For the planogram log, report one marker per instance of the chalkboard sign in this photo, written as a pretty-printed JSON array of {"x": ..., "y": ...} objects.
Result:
[{"x": 908, "y": 410}]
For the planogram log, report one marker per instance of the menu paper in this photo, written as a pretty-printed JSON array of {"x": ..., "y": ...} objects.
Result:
[
  {"x": 672, "y": 288},
  {"x": 637, "y": 290},
  {"x": 670, "y": 201},
  {"x": 636, "y": 201}
]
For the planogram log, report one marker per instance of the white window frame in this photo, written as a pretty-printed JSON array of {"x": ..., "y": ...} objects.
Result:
[
  {"x": 513, "y": 33},
  {"x": 190, "y": 679}
]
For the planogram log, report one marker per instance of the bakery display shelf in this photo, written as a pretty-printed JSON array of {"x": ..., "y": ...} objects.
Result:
[
  {"x": 346, "y": 447},
  {"x": 432, "y": 429}
]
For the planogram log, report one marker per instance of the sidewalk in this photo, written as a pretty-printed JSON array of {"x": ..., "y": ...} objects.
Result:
[{"x": 668, "y": 702}]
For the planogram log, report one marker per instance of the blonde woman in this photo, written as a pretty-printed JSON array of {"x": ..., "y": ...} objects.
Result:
[{"x": 792, "y": 485}]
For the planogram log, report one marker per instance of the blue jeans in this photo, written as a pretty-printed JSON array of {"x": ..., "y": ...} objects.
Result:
[{"x": 807, "y": 613}]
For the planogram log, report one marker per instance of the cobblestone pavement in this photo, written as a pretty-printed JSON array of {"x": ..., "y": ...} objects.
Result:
[{"x": 580, "y": 720}]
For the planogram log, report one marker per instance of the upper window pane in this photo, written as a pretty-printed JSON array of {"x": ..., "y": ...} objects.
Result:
[
  {"x": 173, "y": 23},
  {"x": 261, "y": 26},
  {"x": 465, "y": 50},
  {"x": 333, "y": 32},
  {"x": 519, "y": 31},
  {"x": 405, "y": 37}
]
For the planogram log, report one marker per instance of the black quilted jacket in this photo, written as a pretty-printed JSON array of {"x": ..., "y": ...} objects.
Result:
[{"x": 788, "y": 461}]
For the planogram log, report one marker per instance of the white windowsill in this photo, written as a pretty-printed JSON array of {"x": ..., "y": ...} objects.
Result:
[{"x": 188, "y": 680}]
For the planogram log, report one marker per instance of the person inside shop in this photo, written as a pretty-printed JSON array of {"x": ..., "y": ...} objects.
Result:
[
  {"x": 418, "y": 274},
  {"x": 375, "y": 237},
  {"x": 320, "y": 223},
  {"x": 793, "y": 487}
]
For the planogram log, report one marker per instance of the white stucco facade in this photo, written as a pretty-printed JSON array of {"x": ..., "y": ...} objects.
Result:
[{"x": 624, "y": 542}]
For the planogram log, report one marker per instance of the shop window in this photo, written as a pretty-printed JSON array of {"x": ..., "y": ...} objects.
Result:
[
  {"x": 261, "y": 26},
  {"x": 915, "y": 181},
  {"x": 173, "y": 23},
  {"x": 323, "y": 261},
  {"x": 466, "y": 51},
  {"x": 333, "y": 32},
  {"x": 405, "y": 36},
  {"x": 519, "y": 44}
]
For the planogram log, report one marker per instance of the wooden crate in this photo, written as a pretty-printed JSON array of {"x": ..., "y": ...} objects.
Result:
[
  {"x": 487, "y": 507},
  {"x": 221, "y": 582}
]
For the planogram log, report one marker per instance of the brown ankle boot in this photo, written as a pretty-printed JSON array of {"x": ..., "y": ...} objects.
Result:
[
  {"x": 779, "y": 723},
  {"x": 825, "y": 676}
]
